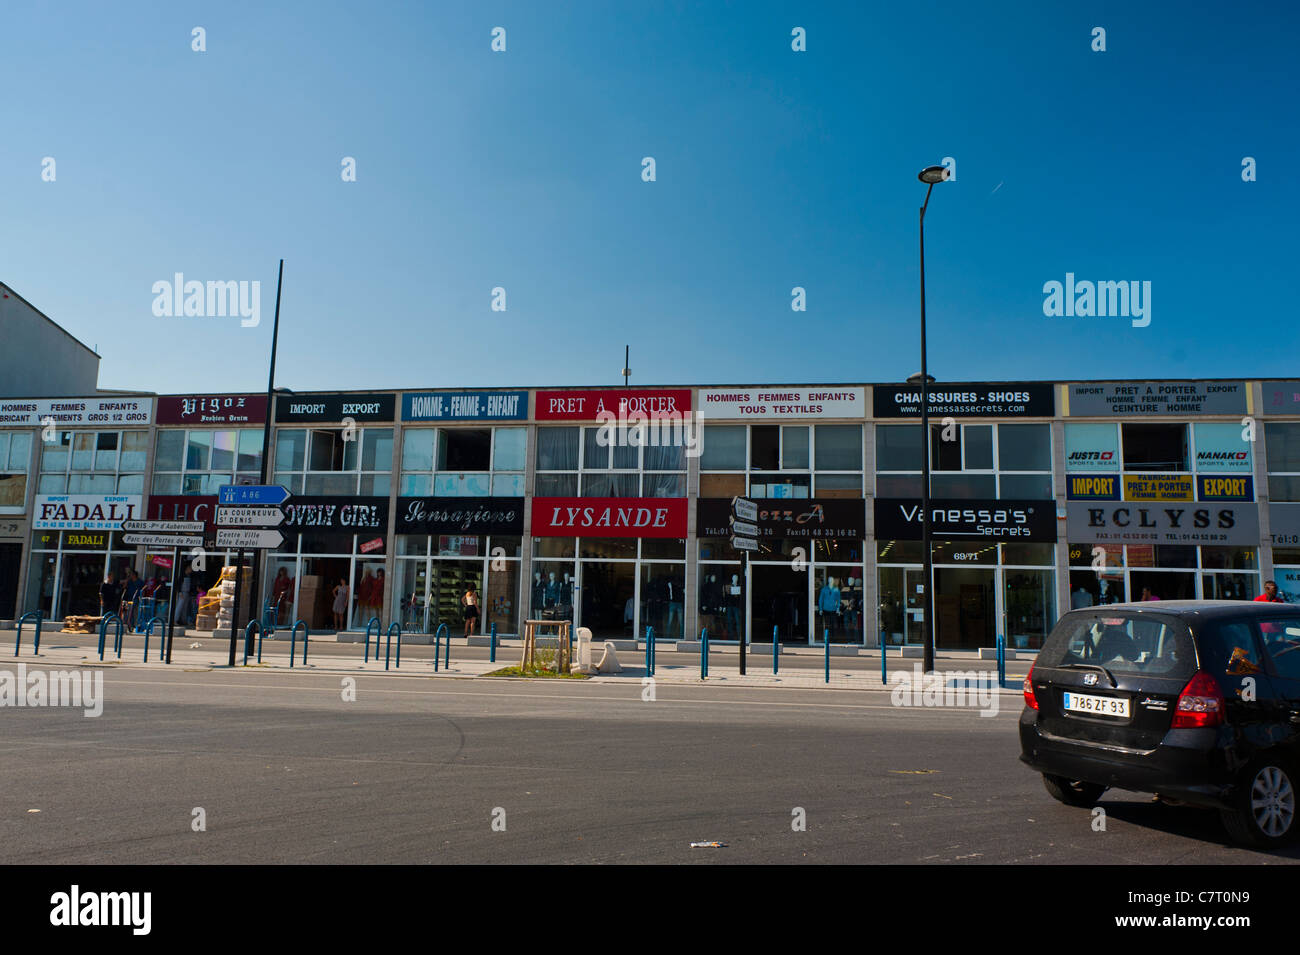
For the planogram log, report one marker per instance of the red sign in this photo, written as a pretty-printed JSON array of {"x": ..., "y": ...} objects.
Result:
[
  {"x": 184, "y": 507},
  {"x": 372, "y": 545},
  {"x": 609, "y": 516},
  {"x": 161, "y": 561},
  {"x": 622, "y": 402},
  {"x": 200, "y": 410}
]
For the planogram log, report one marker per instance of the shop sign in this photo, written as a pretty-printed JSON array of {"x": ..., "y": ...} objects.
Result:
[
  {"x": 1211, "y": 487},
  {"x": 1222, "y": 447},
  {"x": 184, "y": 507},
  {"x": 465, "y": 406},
  {"x": 1108, "y": 399},
  {"x": 1280, "y": 397},
  {"x": 1288, "y": 584},
  {"x": 199, "y": 410},
  {"x": 1092, "y": 487},
  {"x": 1139, "y": 524},
  {"x": 781, "y": 403},
  {"x": 651, "y": 403},
  {"x": 1284, "y": 524},
  {"x": 986, "y": 399},
  {"x": 610, "y": 516},
  {"x": 85, "y": 511},
  {"x": 460, "y": 515},
  {"x": 100, "y": 412},
  {"x": 1158, "y": 487},
  {"x": 334, "y": 407},
  {"x": 455, "y": 546},
  {"x": 1091, "y": 447},
  {"x": 370, "y": 546},
  {"x": 818, "y": 518},
  {"x": 73, "y": 540},
  {"x": 1025, "y": 520},
  {"x": 346, "y": 515}
]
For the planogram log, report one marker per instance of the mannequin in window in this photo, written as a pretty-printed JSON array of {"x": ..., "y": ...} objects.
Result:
[
  {"x": 539, "y": 594},
  {"x": 731, "y": 602},
  {"x": 850, "y": 607},
  {"x": 710, "y": 595},
  {"x": 552, "y": 595},
  {"x": 566, "y": 591},
  {"x": 675, "y": 598},
  {"x": 828, "y": 605}
]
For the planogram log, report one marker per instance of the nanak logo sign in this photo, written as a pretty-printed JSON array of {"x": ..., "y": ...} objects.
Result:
[
  {"x": 1141, "y": 524},
  {"x": 901, "y": 519},
  {"x": 609, "y": 517}
]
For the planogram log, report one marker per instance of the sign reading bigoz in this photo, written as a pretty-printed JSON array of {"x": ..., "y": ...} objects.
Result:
[
  {"x": 621, "y": 402},
  {"x": 609, "y": 517}
]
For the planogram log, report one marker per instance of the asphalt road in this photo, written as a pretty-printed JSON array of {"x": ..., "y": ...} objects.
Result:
[{"x": 416, "y": 770}]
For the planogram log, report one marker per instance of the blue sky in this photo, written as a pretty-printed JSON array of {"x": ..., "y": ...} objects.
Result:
[{"x": 775, "y": 169}]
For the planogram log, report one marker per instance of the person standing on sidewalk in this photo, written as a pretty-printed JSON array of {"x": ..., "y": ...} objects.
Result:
[
  {"x": 1270, "y": 594},
  {"x": 110, "y": 595},
  {"x": 470, "y": 602}
]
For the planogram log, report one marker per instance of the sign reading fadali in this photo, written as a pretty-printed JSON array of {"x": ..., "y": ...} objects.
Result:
[
  {"x": 1157, "y": 397},
  {"x": 334, "y": 407},
  {"x": 1024, "y": 400},
  {"x": 77, "y": 512},
  {"x": 1162, "y": 523},
  {"x": 465, "y": 406},
  {"x": 460, "y": 515},
  {"x": 335, "y": 515},
  {"x": 1026, "y": 520},
  {"x": 212, "y": 409},
  {"x": 610, "y": 516},
  {"x": 822, "y": 518},
  {"x": 778, "y": 403}
]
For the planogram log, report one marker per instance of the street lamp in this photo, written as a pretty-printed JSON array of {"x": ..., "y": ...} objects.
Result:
[{"x": 930, "y": 175}]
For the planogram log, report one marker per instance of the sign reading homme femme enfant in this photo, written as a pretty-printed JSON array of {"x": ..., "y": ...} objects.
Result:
[
  {"x": 621, "y": 402},
  {"x": 609, "y": 517},
  {"x": 465, "y": 406},
  {"x": 1017, "y": 399},
  {"x": 775, "y": 404},
  {"x": 31, "y": 412},
  {"x": 334, "y": 407}
]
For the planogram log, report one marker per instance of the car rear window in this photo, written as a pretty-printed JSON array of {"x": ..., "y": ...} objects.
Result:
[
  {"x": 1145, "y": 646},
  {"x": 1282, "y": 643}
]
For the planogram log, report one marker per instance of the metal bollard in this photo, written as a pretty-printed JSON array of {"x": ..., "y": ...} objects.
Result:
[
  {"x": 826, "y": 641},
  {"x": 492, "y": 646},
  {"x": 1002, "y": 661},
  {"x": 649, "y": 663},
  {"x": 248, "y": 638},
  {"x": 306, "y": 636},
  {"x": 883, "y": 678},
  {"x": 17, "y": 643},
  {"x": 704, "y": 653},
  {"x": 437, "y": 645},
  {"x": 103, "y": 631},
  {"x": 372, "y": 622},
  {"x": 774, "y": 653},
  {"x": 148, "y": 632}
]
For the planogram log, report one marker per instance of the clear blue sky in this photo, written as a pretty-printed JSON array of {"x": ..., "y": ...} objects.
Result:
[{"x": 775, "y": 169}]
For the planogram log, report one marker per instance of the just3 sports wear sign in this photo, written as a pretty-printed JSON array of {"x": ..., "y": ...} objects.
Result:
[
  {"x": 1162, "y": 523},
  {"x": 821, "y": 518},
  {"x": 1024, "y": 520},
  {"x": 334, "y": 407},
  {"x": 1024, "y": 400},
  {"x": 621, "y": 402},
  {"x": 609, "y": 517}
]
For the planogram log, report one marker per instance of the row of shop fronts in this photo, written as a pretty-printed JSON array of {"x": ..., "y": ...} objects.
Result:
[{"x": 609, "y": 507}]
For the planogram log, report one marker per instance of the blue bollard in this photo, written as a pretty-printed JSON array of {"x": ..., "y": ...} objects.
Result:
[
  {"x": 883, "y": 678},
  {"x": 103, "y": 631},
  {"x": 492, "y": 646},
  {"x": 372, "y": 622},
  {"x": 1002, "y": 661},
  {"x": 398, "y": 664},
  {"x": 437, "y": 645},
  {"x": 148, "y": 632},
  {"x": 774, "y": 647},
  {"x": 306, "y": 635},
  {"x": 649, "y": 663},
  {"x": 826, "y": 641},
  {"x": 704, "y": 653},
  {"x": 248, "y": 639},
  {"x": 17, "y": 643}
]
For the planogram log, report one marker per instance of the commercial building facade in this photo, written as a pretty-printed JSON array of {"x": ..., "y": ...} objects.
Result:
[{"x": 609, "y": 506}]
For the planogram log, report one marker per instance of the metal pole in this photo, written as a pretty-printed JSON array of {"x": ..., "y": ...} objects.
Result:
[
  {"x": 774, "y": 645},
  {"x": 492, "y": 647},
  {"x": 704, "y": 653},
  {"x": 927, "y": 636},
  {"x": 266, "y": 433},
  {"x": 744, "y": 608},
  {"x": 826, "y": 641},
  {"x": 234, "y": 611},
  {"x": 175, "y": 602}
]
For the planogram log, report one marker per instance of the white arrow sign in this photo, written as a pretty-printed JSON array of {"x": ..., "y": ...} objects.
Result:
[
  {"x": 241, "y": 538},
  {"x": 744, "y": 528},
  {"x": 164, "y": 540},
  {"x": 163, "y": 527},
  {"x": 744, "y": 509},
  {"x": 249, "y": 517},
  {"x": 744, "y": 543}
]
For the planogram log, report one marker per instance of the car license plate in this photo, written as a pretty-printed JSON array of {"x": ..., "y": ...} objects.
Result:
[{"x": 1097, "y": 705}]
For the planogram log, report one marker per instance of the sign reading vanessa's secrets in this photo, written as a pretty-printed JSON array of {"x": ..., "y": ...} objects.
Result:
[{"x": 900, "y": 519}]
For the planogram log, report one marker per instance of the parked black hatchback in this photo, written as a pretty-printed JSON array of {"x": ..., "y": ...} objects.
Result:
[{"x": 1196, "y": 700}]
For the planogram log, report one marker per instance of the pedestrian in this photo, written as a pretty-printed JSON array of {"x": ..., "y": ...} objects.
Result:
[
  {"x": 1270, "y": 594},
  {"x": 1148, "y": 595},
  {"x": 470, "y": 602},
  {"x": 340, "y": 603},
  {"x": 130, "y": 597},
  {"x": 110, "y": 595},
  {"x": 281, "y": 594}
]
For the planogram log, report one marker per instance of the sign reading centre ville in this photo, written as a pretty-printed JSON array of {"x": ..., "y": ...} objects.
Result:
[
  {"x": 460, "y": 515},
  {"x": 842, "y": 518},
  {"x": 1157, "y": 397},
  {"x": 610, "y": 516},
  {"x": 900, "y": 519},
  {"x": 465, "y": 406},
  {"x": 774, "y": 404},
  {"x": 334, "y": 407},
  {"x": 18, "y": 413},
  {"x": 1162, "y": 524},
  {"x": 85, "y": 512},
  {"x": 1024, "y": 400},
  {"x": 622, "y": 402},
  {"x": 212, "y": 409}
]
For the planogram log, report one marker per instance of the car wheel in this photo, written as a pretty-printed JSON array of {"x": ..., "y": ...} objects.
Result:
[
  {"x": 1265, "y": 810},
  {"x": 1073, "y": 792}
]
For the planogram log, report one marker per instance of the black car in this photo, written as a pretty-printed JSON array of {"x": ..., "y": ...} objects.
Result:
[{"x": 1197, "y": 701}]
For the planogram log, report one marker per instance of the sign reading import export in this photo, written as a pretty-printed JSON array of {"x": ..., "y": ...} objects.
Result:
[
  {"x": 334, "y": 407},
  {"x": 610, "y": 516},
  {"x": 1157, "y": 397},
  {"x": 1023, "y": 400},
  {"x": 781, "y": 403}
]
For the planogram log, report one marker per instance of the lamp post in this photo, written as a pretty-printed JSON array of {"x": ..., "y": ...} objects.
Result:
[{"x": 929, "y": 175}]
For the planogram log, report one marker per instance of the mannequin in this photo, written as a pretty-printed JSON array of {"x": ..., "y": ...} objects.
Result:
[
  {"x": 566, "y": 591},
  {"x": 731, "y": 601},
  {"x": 828, "y": 606},
  {"x": 539, "y": 593},
  {"x": 851, "y": 605},
  {"x": 675, "y": 598},
  {"x": 552, "y": 595}
]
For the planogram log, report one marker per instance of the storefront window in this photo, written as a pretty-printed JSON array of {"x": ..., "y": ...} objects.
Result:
[
  {"x": 15, "y": 455},
  {"x": 334, "y": 461},
  {"x": 1154, "y": 447},
  {"x": 1282, "y": 445}
]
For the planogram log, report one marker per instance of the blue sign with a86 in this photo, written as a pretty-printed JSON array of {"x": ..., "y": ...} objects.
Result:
[{"x": 270, "y": 494}]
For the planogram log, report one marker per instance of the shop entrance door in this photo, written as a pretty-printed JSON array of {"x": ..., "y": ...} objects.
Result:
[
  {"x": 607, "y": 601},
  {"x": 10, "y": 557},
  {"x": 965, "y": 610},
  {"x": 914, "y": 616},
  {"x": 778, "y": 599}
]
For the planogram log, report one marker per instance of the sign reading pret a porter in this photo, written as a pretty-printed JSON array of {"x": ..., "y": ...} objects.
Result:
[
  {"x": 821, "y": 401},
  {"x": 622, "y": 402},
  {"x": 1157, "y": 397},
  {"x": 212, "y": 409},
  {"x": 1162, "y": 523},
  {"x": 1158, "y": 487},
  {"x": 609, "y": 516},
  {"x": 334, "y": 407},
  {"x": 20, "y": 413},
  {"x": 460, "y": 515},
  {"x": 465, "y": 406},
  {"x": 76, "y": 512},
  {"x": 1026, "y": 520},
  {"x": 1026, "y": 400},
  {"x": 825, "y": 518}
]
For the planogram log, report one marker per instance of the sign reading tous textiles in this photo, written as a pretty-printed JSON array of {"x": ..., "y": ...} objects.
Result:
[
  {"x": 804, "y": 517},
  {"x": 653, "y": 403},
  {"x": 1089, "y": 523},
  {"x": 212, "y": 409},
  {"x": 1157, "y": 397},
  {"x": 31, "y": 412},
  {"x": 334, "y": 407},
  {"x": 465, "y": 406},
  {"x": 774, "y": 404},
  {"x": 900, "y": 519},
  {"x": 460, "y": 515},
  {"x": 1026, "y": 400},
  {"x": 610, "y": 516}
]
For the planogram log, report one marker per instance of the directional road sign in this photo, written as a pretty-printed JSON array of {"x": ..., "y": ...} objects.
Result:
[
  {"x": 249, "y": 517},
  {"x": 252, "y": 494},
  {"x": 165, "y": 540},
  {"x": 744, "y": 509},
  {"x": 162, "y": 527},
  {"x": 744, "y": 543},
  {"x": 248, "y": 538},
  {"x": 743, "y": 528}
]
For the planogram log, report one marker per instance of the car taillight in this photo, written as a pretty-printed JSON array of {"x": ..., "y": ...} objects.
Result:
[
  {"x": 1200, "y": 703},
  {"x": 1030, "y": 701}
]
